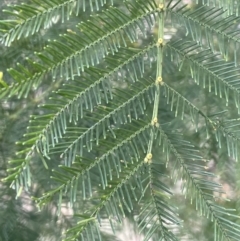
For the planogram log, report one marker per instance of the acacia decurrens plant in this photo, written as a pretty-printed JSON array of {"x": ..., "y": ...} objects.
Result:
[{"x": 122, "y": 93}]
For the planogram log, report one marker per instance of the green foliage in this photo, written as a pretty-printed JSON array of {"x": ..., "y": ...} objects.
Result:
[{"x": 117, "y": 103}]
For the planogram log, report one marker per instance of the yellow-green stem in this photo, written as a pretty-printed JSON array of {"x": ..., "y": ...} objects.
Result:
[{"x": 159, "y": 82}]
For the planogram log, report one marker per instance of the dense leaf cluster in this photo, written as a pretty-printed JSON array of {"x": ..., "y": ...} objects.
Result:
[{"x": 115, "y": 102}]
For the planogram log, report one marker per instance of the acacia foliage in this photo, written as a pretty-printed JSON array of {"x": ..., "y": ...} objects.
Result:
[{"x": 112, "y": 116}]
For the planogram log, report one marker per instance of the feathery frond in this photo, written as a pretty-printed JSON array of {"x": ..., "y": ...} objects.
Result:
[
  {"x": 119, "y": 99},
  {"x": 198, "y": 184}
]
